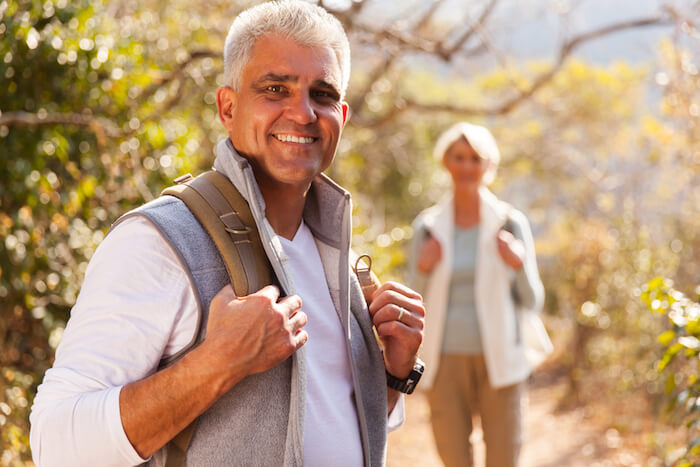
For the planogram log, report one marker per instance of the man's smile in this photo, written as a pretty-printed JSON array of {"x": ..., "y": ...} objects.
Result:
[{"x": 286, "y": 138}]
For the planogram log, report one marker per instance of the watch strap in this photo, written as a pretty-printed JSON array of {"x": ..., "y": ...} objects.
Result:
[{"x": 407, "y": 385}]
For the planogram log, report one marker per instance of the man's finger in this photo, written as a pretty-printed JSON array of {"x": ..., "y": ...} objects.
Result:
[
  {"x": 270, "y": 291},
  {"x": 300, "y": 339},
  {"x": 290, "y": 305},
  {"x": 298, "y": 321},
  {"x": 399, "y": 314},
  {"x": 404, "y": 333},
  {"x": 392, "y": 297},
  {"x": 399, "y": 288}
]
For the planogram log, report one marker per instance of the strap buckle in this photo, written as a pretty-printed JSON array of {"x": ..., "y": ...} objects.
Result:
[{"x": 364, "y": 275}]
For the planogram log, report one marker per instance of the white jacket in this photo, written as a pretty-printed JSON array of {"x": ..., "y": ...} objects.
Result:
[{"x": 513, "y": 342}]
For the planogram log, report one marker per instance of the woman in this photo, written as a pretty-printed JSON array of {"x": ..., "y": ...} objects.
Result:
[{"x": 474, "y": 260}]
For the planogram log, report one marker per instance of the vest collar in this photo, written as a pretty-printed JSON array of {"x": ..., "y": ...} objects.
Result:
[{"x": 326, "y": 201}]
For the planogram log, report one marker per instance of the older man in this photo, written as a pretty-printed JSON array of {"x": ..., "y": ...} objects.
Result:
[{"x": 298, "y": 380}]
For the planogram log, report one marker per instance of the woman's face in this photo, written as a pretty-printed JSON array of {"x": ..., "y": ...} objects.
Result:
[{"x": 465, "y": 165}]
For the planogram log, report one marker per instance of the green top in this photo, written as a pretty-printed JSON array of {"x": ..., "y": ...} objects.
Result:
[{"x": 462, "y": 335}]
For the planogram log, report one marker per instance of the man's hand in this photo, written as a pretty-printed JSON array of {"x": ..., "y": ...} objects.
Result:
[
  {"x": 255, "y": 332},
  {"x": 244, "y": 336},
  {"x": 398, "y": 315},
  {"x": 511, "y": 249}
]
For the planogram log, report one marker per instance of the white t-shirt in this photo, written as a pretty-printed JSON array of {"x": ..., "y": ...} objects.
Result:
[{"x": 331, "y": 429}]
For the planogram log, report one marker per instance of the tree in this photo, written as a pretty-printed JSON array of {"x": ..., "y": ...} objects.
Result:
[{"x": 104, "y": 102}]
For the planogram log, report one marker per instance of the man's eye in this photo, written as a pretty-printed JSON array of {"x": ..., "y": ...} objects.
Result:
[
  {"x": 326, "y": 95},
  {"x": 276, "y": 88}
]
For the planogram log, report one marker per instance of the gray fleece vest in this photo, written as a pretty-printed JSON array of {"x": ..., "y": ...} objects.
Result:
[{"x": 249, "y": 425}]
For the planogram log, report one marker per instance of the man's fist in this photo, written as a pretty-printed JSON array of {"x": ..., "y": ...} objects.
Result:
[{"x": 255, "y": 332}]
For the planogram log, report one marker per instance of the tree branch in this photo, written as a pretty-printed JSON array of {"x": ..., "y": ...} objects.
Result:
[
  {"x": 177, "y": 72},
  {"x": 539, "y": 81},
  {"x": 571, "y": 44},
  {"x": 347, "y": 18},
  {"x": 99, "y": 125},
  {"x": 447, "y": 52},
  {"x": 358, "y": 101},
  {"x": 427, "y": 15}
]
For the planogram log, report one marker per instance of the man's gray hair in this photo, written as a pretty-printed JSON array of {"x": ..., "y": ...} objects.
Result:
[
  {"x": 307, "y": 24},
  {"x": 479, "y": 138}
]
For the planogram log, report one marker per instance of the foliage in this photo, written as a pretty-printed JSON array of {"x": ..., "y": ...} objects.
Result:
[
  {"x": 63, "y": 184},
  {"x": 17, "y": 389},
  {"x": 118, "y": 98},
  {"x": 680, "y": 360}
]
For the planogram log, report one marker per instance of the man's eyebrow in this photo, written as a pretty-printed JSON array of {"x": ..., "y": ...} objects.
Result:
[
  {"x": 323, "y": 84},
  {"x": 274, "y": 77}
]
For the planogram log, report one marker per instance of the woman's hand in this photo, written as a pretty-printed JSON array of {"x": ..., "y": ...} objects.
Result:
[
  {"x": 429, "y": 255},
  {"x": 511, "y": 249}
]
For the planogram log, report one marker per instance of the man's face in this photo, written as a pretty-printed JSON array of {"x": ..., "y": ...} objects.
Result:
[{"x": 287, "y": 116}]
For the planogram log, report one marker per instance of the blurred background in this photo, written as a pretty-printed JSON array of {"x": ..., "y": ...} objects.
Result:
[{"x": 595, "y": 105}]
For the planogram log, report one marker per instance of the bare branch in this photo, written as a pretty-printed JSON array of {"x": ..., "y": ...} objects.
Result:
[
  {"x": 347, "y": 18},
  {"x": 390, "y": 57},
  {"x": 501, "y": 57},
  {"x": 447, "y": 52},
  {"x": 99, "y": 125},
  {"x": 571, "y": 44},
  {"x": 684, "y": 21},
  {"x": 538, "y": 82},
  {"x": 426, "y": 16},
  {"x": 376, "y": 73},
  {"x": 412, "y": 41}
]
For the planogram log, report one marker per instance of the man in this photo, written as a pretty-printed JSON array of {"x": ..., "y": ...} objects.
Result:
[{"x": 272, "y": 380}]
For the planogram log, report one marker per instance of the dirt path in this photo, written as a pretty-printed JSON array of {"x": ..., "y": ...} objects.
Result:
[{"x": 552, "y": 437}]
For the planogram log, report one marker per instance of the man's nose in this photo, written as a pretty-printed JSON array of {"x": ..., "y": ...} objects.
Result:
[{"x": 301, "y": 110}]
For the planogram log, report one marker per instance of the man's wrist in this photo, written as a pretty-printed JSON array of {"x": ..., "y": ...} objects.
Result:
[{"x": 408, "y": 384}]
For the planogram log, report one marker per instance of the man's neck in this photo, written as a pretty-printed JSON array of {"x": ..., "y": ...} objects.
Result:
[{"x": 284, "y": 207}]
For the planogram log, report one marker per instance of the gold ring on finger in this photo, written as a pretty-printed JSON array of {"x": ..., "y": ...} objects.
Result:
[{"x": 401, "y": 312}]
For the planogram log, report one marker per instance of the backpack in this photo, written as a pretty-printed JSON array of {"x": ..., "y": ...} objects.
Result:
[{"x": 226, "y": 216}]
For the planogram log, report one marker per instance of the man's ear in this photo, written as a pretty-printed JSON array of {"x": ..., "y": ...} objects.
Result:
[
  {"x": 346, "y": 112},
  {"x": 226, "y": 100}
]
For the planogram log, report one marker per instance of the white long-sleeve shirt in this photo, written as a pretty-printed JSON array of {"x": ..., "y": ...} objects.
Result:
[{"x": 133, "y": 311}]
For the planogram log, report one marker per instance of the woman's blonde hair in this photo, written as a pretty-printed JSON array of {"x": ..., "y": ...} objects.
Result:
[{"x": 479, "y": 138}]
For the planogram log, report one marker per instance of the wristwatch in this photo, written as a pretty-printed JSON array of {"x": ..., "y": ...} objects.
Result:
[{"x": 409, "y": 384}]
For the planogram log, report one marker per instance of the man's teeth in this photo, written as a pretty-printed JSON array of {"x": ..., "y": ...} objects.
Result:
[{"x": 295, "y": 139}]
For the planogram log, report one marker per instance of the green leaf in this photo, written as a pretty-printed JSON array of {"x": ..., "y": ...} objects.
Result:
[
  {"x": 665, "y": 338},
  {"x": 669, "y": 355}
]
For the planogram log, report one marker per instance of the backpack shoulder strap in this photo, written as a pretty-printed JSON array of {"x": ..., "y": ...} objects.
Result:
[{"x": 226, "y": 217}]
